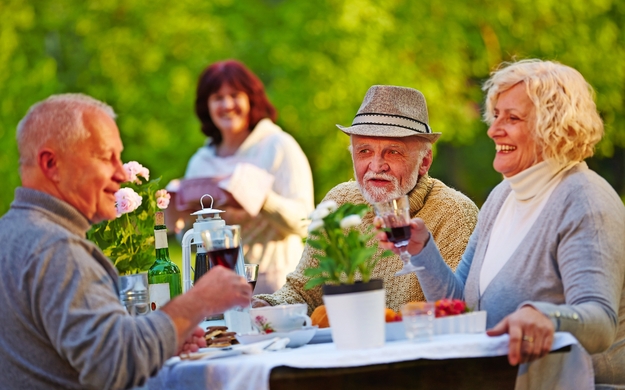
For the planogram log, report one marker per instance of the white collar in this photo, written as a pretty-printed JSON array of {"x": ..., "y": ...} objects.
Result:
[{"x": 535, "y": 180}]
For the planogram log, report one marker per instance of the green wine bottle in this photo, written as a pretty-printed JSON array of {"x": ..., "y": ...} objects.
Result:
[{"x": 164, "y": 278}]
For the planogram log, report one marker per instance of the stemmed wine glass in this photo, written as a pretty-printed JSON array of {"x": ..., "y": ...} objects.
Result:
[
  {"x": 396, "y": 216},
  {"x": 222, "y": 245},
  {"x": 251, "y": 274}
]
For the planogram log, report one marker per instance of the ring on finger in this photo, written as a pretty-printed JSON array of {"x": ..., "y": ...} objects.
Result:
[{"x": 527, "y": 338}]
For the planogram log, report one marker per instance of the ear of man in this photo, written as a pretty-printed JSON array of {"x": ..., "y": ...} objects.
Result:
[
  {"x": 426, "y": 163},
  {"x": 48, "y": 162}
]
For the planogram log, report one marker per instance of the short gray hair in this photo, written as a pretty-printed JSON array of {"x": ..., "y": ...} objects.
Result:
[{"x": 58, "y": 120}]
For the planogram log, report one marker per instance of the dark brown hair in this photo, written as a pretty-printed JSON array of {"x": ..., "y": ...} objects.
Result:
[{"x": 237, "y": 76}]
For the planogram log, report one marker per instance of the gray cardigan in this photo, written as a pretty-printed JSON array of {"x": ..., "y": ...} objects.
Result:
[
  {"x": 570, "y": 266},
  {"x": 62, "y": 324}
]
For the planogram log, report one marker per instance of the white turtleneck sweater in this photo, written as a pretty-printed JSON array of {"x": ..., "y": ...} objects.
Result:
[{"x": 531, "y": 189}]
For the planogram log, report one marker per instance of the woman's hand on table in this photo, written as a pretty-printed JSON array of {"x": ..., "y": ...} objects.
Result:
[
  {"x": 194, "y": 342},
  {"x": 531, "y": 334},
  {"x": 419, "y": 236}
]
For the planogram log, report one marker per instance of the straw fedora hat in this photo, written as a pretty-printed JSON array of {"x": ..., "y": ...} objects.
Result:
[{"x": 390, "y": 111}]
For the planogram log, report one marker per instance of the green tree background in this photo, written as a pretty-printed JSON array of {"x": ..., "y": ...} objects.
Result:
[{"x": 316, "y": 58}]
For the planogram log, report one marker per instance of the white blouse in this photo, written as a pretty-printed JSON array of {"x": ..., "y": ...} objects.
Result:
[{"x": 273, "y": 237}]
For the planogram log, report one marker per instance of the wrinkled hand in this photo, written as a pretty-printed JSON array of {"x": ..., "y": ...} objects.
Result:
[
  {"x": 419, "y": 236},
  {"x": 257, "y": 302},
  {"x": 222, "y": 289},
  {"x": 224, "y": 198},
  {"x": 531, "y": 334},
  {"x": 236, "y": 215},
  {"x": 194, "y": 342}
]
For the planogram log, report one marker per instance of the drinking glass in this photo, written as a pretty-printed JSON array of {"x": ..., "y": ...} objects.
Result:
[
  {"x": 418, "y": 319},
  {"x": 222, "y": 245},
  {"x": 396, "y": 216},
  {"x": 251, "y": 274},
  {"x": 202, "y": 265}
]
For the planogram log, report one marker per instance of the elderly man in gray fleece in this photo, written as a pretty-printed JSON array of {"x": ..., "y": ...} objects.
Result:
[{"x": 63, "y": 325}]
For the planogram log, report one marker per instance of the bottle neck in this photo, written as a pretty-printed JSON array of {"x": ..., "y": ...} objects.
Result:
[{"x": 162, "y": 254}]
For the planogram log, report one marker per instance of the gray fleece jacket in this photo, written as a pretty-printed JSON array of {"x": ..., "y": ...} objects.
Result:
[
  {"x": 62, "y": 324},
  {"x": 570, "y": 266}
]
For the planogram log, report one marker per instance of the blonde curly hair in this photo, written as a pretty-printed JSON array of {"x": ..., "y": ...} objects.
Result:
[{"x": 566, "y": 123}]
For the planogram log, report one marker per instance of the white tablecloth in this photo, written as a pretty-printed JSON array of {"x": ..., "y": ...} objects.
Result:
[{"x": 566, "y": 370}]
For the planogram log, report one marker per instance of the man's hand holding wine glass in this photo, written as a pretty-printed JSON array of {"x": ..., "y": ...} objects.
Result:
[
  {"x": 218, "y": 290},
  {"x": 419, "y": 236},
  {"x": 224, "y": 289}
]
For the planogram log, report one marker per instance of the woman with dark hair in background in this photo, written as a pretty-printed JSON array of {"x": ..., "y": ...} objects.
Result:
[{"x": 262, "y": 179}]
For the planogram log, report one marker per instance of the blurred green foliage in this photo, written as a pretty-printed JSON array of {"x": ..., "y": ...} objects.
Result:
[{"x": 316, "y": 58}]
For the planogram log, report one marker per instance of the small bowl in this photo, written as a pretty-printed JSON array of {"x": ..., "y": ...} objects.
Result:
[{"x": 297, "y": 337}]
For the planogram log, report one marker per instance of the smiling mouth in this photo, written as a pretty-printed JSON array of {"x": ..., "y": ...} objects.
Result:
[
  {"x": 378, "y": 182},
  {"x": 505, "y": 148}
]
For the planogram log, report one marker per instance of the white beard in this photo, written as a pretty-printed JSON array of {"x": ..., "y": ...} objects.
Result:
[{"x": 376, "y": 195}]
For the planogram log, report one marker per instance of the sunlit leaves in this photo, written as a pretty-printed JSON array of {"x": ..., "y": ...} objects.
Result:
[{"x": 316, "y": 58}]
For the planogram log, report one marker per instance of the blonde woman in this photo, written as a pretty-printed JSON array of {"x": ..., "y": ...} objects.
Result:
[{"x": 548, "y": 252}]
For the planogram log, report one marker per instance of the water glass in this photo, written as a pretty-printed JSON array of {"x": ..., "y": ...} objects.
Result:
[{"x": 418, "y": 319}]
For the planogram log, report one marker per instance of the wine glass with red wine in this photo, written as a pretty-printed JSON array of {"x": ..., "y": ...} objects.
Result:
[
  {"x": 396, "y": 216},
  {"x": 251, "y": 274},
  {"x": 222, "y": 245}
]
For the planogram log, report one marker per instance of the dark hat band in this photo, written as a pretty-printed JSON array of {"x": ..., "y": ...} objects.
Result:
[{"x": 392, "y": 120}]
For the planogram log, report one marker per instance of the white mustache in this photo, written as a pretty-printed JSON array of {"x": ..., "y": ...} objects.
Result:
[{"x": 380, "y": 176}]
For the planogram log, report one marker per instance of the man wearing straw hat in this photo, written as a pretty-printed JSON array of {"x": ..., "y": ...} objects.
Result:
[
  {"x": 391, "y": 148},
  {"x": 63, "y": 325}
]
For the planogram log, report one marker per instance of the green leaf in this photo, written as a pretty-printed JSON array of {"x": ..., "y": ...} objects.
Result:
[
  {"x": 317, "y": 244},
  {"x": 129, "y": 240},
  {"x": 312, "y": 272},
  {"x": 314, "y": 283},
  {"x": 345, "y": 251}
]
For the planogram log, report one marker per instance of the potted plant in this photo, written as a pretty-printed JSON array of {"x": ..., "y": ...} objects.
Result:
[
  {"x": 355, "y": 305},
  {"x": 128, "y": 240}
]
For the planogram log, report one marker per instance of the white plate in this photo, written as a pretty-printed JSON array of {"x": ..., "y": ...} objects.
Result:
[
  {"x": 323, "y": 335},
  {"x": 297, "y": 337},
  {"x": 394, "y": 331},
  {"x": 205, "y": 353}
]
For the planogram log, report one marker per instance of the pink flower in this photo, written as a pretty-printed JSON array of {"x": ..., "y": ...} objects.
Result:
[
  {"x": 134, "y": 169},
  {"x": 263, "y": 324},
  {"x": 127, "y": 201},
  {"x": 162, "y": 199}
]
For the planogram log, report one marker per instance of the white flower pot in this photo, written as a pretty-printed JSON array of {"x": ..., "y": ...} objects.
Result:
[{"x": 356, "y": 314}]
